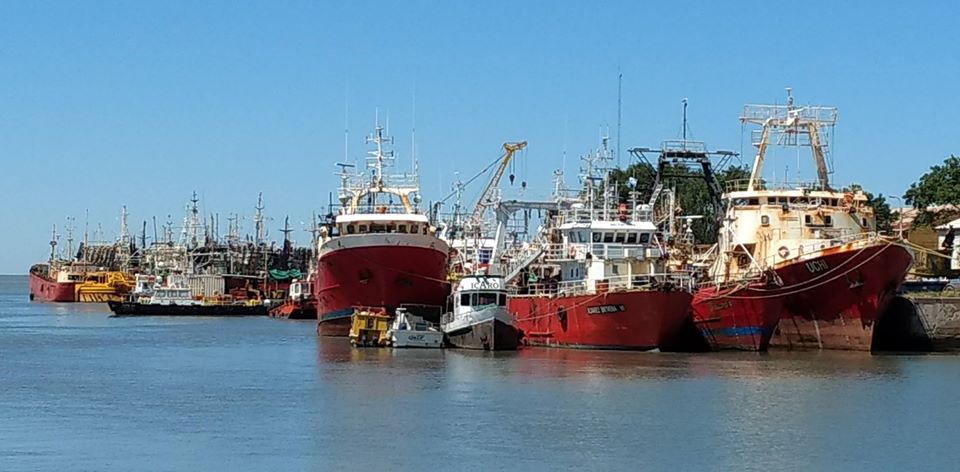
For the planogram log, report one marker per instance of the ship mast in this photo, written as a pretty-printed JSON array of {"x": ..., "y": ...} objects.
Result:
[
  {"x": 53, "y": 244},
  {"x": 789, "y": 125},
  {"x": 377, "y": 157},
  {"x": 258, "y": 220},
  {"x": 70, "y": 252},
  {"x": 124, "y": 239}
]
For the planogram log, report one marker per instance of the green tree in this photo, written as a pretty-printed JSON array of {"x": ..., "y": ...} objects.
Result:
[
  {"x": 881, "y": 208},
  {"x": 692, "y": 195},
  {"x": 939, "y": 186}
]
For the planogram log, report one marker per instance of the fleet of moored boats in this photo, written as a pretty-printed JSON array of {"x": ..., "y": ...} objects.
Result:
[{"x": 796, "y": 265}]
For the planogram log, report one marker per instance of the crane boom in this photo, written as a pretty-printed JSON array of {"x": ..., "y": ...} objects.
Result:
[{"x": 485, "y": 200}]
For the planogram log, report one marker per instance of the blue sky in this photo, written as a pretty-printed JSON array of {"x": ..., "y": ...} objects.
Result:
[{"x": 139, "y": 103}]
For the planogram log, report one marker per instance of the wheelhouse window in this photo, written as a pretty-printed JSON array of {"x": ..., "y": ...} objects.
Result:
[
  {"x": 378, "y": 229},
  {"x": 465, "y": 299},
  {"x": 402, "y": 229},
  {"x": 608, "y": 237},
  {"x": 644, "y": 238},
  {"x": 414, "y": 229},
  {"x": 502, "y": 299},
  {"x": 363, "y": 228},
  {"x": 620, "y": 237},
  {"x": 486, "y": 299},
  {"x": 631, "y": 238},
  {"x": 597, "y": 237},
  {"x": 351, "y": 229}
]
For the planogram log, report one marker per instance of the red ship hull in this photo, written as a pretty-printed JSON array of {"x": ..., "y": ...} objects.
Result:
[
  {"x": 635, "y": 320},
  {"x": 46, "y": 290},
  {"x": 737, "y": 318},
  {"x": 834, "y": 300},
  {"x": 377, "y": 276}
]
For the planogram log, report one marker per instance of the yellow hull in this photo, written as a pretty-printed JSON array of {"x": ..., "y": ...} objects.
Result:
[{"x": 102, "y": 287}]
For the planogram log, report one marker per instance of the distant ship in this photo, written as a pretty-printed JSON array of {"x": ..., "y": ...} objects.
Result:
[
  {"x": 92, "y": 276},
  {"x": 380, "y": 249}
]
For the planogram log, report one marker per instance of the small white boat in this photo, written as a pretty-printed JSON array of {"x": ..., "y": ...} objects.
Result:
[{"x": 408, "y": 330}]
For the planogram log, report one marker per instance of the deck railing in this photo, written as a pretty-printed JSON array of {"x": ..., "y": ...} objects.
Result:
[{"x": 657, "y": 281}]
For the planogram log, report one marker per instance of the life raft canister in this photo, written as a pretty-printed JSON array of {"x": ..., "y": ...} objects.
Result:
[{"x": 784, "y": 252}]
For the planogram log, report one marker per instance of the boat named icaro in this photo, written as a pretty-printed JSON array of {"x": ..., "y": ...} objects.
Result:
[{"x": 479, "y": 318}]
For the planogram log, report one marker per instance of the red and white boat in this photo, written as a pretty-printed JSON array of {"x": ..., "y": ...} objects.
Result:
[
  {"x": 602, "y": 280},
  {"x": 56, "y": 280},
  {"x": 798, "y": 265},
  {"x": 380, "y": 250}
]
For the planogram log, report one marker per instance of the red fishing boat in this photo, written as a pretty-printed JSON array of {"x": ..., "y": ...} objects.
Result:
[
  {"x": 601, "y": 281},
  {"x": 798, "y": 265},
  {"x": 51, "y": 282},
  {"x": 380, "y": 250},
  {"x": 57, "y": 279}
]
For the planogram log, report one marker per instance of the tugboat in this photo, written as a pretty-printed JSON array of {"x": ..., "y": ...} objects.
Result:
[
  {"x": 380, "y": 249},
  {"x": 601, "y": 281},
  {"x": 299, "y": 304},
  {"x": 409, "y": 330},
  {"x": 804, "y": 254},
  {"x": 479, "y": 318},
  {"x": 173, "y": 297},
  {"x": 369, "y": 327}
]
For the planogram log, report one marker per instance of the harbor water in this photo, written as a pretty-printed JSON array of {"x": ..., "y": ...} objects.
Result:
[{"x": 83, "y": 391}]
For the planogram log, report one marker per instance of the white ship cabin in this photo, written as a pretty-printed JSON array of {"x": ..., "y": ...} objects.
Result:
[
  {"x": 143, "y": 286},
  {"x": 172, "y": 291},
  {"x": 476, "y": 297},
  {"x": 368, "y": 223},
  {"x": 603, "y": 250},
  {"x": 764, "y": 228}
]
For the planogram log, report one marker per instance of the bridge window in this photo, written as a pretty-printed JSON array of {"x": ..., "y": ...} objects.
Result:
[
  {"x": 414, "y": 229},
  {"x": 503, "y": 299},
  {"x": 465, "y": 299},
  {"x": 828, "y": 220},
  {"x": 644, "y": 238},
  {"x": 486, "y": 299},
  {"x": 753, "y": 201},
  {"x": 597, "y": 237},
  {"x": 608, "y": 237},
  {"x": 620, "y": 237},
  {"x": 363, "y": 229},
  {"x": 402, "y": 229},
  {"x": 631, "y": 238}
]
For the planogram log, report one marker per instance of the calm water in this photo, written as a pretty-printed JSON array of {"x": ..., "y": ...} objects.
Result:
[{"x": 82, "y": 391}]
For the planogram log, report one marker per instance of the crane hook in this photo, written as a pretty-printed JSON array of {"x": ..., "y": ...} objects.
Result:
[{"x": 512, "y": 177}]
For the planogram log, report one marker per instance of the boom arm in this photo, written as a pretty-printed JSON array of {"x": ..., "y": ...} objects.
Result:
[{"x": 483, "y": 203}]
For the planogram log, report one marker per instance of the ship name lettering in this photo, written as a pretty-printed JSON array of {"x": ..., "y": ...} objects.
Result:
[
  {"x": 602, "y": 309},
  {"x": 818, "y": 265}
]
